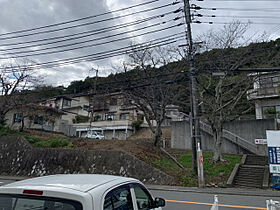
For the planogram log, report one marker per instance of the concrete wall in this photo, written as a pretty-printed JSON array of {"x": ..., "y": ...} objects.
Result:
[
  {"x": 249, "y": 130},
  {"x": 18, "y": 157}
]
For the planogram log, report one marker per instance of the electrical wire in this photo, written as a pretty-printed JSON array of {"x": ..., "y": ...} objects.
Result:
[
  {"x": 90, "y": 23},
  {"x": 93, "y": 45},
  {"x": 79, "y": 19},
  {"x": 89, "y": 33},
  {"x": 111, "y": 52},
  {"x": 236, "y": 16}
]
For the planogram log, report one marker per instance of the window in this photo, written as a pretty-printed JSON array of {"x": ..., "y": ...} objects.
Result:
[
  {"x": 66, "y": 102},
  {"x": 269, "y": 112},
  {"x": 97, "y": 117},
  {"x": 110, "y": 116},
  {"x": 20, "y": 202},
  {"x": 119, "y": 198},
  {"x": 38, "y": 120},
  {"x": 124, "y": 116},
  {"x": 17, "y": 117},
  {"x": 113, "y": 101},
  {"x": 143, "y": 198}
]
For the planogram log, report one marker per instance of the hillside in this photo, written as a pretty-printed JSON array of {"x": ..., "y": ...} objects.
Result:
[{"x": 256, "y": 55}]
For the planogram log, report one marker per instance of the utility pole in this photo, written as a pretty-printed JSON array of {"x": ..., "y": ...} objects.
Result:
[
  {"x": 196, "y": 138},
  {"x": 96, "y": 78}
]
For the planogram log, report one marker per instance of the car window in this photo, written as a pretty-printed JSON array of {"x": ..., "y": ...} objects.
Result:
[
  {"x": 17, "y": 202},
  {"x": 119, "y": 199},
  {"x": 143, "y": 198}
]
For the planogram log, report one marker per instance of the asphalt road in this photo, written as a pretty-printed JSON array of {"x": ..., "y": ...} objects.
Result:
[
  {"x": 203, "y": 201},
  {"x": 176, "y": 200}
]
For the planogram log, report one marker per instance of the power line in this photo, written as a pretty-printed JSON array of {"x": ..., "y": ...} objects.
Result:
[
  {"x": 76, "y": 20},
  {"x": 236, "y": 16},
  {"x": 93, "y": 45},
  {"x": 99, "y": 31},
  {"x": 90, "y": 23},
  {"x": 235, "y": 9},
  {"x": 225, "y": 23},
  {"x": 119, "y": 51},
  {"x": 89, "y": 33}
]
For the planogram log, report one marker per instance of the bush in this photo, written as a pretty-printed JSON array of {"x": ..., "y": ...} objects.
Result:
[
  {"x": 53, "y": 143},
  {"x": 136, "y": 124},
  {"x": 6, "y": 131},
  {"x": 80, "y": 119}
]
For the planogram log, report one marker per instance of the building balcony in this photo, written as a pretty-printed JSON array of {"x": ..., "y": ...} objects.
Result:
[
  {"x": 261, "y": 93},
  {"x": 105, "y": 124}
]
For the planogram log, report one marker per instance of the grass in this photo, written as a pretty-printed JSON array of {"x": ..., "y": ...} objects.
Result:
[
  {"x": 214, "y": 174},
  {"x": 52, "y": 142}
]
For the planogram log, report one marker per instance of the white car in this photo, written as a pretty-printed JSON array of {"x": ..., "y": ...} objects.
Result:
[
  {"x": 78, "y": 192},
  {"x": 94, "y": 135}
]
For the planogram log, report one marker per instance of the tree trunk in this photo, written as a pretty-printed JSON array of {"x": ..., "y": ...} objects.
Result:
[
  {"x": 2, "y": 118},
  {"x": 157, "y": 135},
  {"x": 22, "y": 125},
  {"x": 218, "y": 135}
]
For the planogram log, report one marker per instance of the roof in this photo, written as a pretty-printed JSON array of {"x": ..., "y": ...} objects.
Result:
[{"x": 78, "y": 182}]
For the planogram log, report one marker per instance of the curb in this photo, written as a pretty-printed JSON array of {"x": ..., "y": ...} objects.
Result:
[{"x": 222, "y": 191}]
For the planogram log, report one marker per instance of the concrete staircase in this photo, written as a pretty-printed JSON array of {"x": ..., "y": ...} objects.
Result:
[
  {"x": 252, "y": 173},
  {"x": 245, "y": 144}
]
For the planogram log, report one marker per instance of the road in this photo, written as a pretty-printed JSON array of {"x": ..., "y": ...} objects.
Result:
[
  {"x": 176, "y": 200},
  {"x": 203, "y": 201}
]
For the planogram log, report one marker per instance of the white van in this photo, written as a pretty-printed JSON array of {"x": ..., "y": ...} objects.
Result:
[{"x": 94, "y": 135}]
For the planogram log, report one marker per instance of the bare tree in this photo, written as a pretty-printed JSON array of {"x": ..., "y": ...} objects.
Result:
[
  {"x": 149, "y": 85},
  {"x": 15, "y": 77},
  {"x": 223, "y": 95}
]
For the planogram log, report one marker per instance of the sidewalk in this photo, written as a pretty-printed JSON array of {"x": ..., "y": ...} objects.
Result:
[{"x": 227, "y": 191}]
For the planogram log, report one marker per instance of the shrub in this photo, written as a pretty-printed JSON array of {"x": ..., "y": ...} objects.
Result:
[
  {"x": 80, "y": 119},
  {"x": 136, "y": 124},
  {"x": 53, "y": 143}
]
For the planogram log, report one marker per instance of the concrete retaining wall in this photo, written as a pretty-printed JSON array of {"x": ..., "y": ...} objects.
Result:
[
  {"x": 18, "y": 157},
  {"x": 249, "y": 130}
]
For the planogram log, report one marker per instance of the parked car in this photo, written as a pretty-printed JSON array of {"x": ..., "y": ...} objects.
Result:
[
  {"x": 94, "y": 135},
  {"x": 78, "y": 192}
]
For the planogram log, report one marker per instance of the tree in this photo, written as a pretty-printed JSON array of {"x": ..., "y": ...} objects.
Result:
[
  {"x": 149, "y": 86},
  {"x": 223, "y": 95},
  {"x": 32, "y": 111},
  {"x": 15, "y": 77}
]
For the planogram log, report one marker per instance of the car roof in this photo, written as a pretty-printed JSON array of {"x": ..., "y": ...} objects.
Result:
[{"x": 78, "y": 182}]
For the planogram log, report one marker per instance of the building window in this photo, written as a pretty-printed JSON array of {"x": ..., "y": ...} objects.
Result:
[
  {"x": 97, "y": 117},
  {"x": 66, "y": 102},
  {"x": 124, "y": 116},
  {"x": 110, "y": 116},
  {"x": 17, "y": 117},
  {"x": 269, "y": 112},
  {"x": 269, "y": 82},
  {"x": 113, "y": 101},
  {"x": 38, "y": 120}
]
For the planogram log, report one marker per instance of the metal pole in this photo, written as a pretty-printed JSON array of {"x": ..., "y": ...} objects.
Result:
[{"x": 193, "y": 80}]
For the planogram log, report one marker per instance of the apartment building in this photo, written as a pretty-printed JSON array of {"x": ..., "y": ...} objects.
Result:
[{"x": 266, "y": 96}]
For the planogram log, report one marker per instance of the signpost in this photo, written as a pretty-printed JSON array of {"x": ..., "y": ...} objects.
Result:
[
  {"x": 273, "y": 144},
  {"x": 260, "y": 141}
]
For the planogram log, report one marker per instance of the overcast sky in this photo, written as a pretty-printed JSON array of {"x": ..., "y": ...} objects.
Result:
[{"x": 26, "y": 14}]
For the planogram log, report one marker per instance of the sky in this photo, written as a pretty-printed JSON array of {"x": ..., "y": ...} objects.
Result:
[{"x": 107, "y": 30}]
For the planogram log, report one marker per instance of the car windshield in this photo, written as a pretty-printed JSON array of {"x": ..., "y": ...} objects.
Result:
[{"x": 22, "y": 202}]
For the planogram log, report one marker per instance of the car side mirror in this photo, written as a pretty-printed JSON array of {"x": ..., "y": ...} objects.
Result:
[{"x": 159, "y": 202}]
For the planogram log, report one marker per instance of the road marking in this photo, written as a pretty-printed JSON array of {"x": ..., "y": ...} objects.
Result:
[{"x": 210, "y": 204}]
